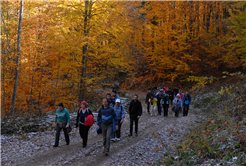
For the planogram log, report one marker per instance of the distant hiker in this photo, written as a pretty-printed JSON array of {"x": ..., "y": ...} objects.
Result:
[
  {"x": 120, "y": 116},
  {"x": 177, "y": 105},
  {"x": 148, "y": 95},
  {"x": 159, "y": 97},
  {"x": 165, "y": 104},
  {"x": 107, "y": 119},
  {"x": 114, "y": 93},
  {"x": 82, "y": 114},
  {"x": 111, "y": 100},
  {"x": 153, "y": 105},
  {"x": 186, "y": 102},
  {"x": 170, "y": 93},
  {"x": 135, "y": 112},
  {"x": 176, "y": 91},
  {"x": 62, "y": 121}
]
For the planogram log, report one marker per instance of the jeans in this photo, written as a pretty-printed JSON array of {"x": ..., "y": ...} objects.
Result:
[
  {"x": 58, "y": 130},
  {"x": 117, "y": 132},
  {"x": 106, "y": 131}
]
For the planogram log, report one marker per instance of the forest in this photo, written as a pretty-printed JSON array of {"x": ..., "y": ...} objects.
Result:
[{"x": 60, "y": 51}]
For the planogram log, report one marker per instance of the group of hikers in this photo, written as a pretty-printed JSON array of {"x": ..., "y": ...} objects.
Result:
[
  {"x": 162, "y": 97},
  {"x": 111, "y": 115}
]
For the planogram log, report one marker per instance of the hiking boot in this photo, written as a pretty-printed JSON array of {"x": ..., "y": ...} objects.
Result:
[
  {"x": 136, "y": 134},
  {"x": 130, "y": 135},
  {"x": 55, "y": 145},
  {"x": 118, "y": 139},
  {"x": 84, "y": 146},
  {"x": 106, "y": 153},
  {"x": 113, "y": 139}
]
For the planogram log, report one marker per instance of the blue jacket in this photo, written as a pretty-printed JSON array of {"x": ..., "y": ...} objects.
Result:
[
  {"x": 188, "y": 98},
  {"x": 120, "y": 112},
  {"x": 106, "y": 117}
]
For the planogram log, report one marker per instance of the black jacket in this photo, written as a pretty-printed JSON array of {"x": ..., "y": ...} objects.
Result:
[
  {"x": 135, "y": 108},
  {"x": 148, "y": 96}
]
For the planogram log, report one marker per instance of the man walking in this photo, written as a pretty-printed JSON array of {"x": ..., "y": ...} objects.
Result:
[
  {"x": 135, "y": 111},
  {"x": 107, "y": 118},
  {"x": 186, "y": 102},
  {"x": 147, "y": 99}
]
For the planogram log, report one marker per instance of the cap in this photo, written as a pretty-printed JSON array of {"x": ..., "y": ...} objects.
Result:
[{"x": 117, "y": 101}]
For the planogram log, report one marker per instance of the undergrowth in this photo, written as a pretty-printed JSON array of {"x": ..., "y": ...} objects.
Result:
[{"x": 218, "y": 138}]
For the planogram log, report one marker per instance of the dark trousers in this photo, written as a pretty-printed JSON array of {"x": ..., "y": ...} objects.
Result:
[
  {"x": 165, "y": 108},
  {"x": 58, "y": 130},
  {"x": 83, "y": 131},
  {"x": 133, "y": 118},
  {"x": 171, "y": 99},
  {"x": 177, "y": 110},
  {"x": 185, "y": 109},
  {"x": 117, "y": 132},
  {"x": 159, "y": 107},
  {"x": 148, "y": 107}
]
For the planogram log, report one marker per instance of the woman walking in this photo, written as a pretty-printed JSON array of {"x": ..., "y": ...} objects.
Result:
[{"x": 83, "y": 112}]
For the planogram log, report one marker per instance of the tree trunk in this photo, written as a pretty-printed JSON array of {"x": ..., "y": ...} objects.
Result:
[
  {"x": 3, "y": 77},
  {"x": 33, "y": 67},
  {"x": 17, "y": 60},
  {"x": 85, "y": 48},
  {"x": 57, "y": 78}
]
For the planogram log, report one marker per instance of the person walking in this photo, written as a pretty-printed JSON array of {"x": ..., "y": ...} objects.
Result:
[
  {"x": 62, "y": 121},
  {"x": 120, "y": 116},
  {"x": 159, "y": 97},
  {"x": 135, "y": 112},
  {"x": 165, "y": 104},
  {"x": 177, "y": 105},
  {"x": 148, "y": 95},
  {"x": 153, "y": 105},
  {"x": 186, "y": 102},
  {"x": 107, "y": 119},
  {"x": 82, "y": 113}
]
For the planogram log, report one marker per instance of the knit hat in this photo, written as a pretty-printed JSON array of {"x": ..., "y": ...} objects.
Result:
[
  {"x": 117, "y": 101},
  {"x": 60, "y": 104},
  {"x": 84, "y": 102}
]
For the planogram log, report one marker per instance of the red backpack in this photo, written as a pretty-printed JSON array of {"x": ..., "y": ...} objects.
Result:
[{"x": 89, "y": 120}]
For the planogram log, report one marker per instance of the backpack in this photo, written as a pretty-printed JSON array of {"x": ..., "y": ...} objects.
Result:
[
  {"x": 89, "y": 120},
  {"x": 186, "y": 100}
]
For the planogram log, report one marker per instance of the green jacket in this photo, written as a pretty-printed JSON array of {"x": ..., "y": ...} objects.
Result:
[
  {"x": 166, "y": 100},
  {"x": 62, "y": 116}
]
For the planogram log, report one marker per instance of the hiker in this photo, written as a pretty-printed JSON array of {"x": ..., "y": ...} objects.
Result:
[
  {"x": 82, "y": 113},
  {"x": 110, "y": 99},
  {"x": 153, "y": 105},
  {"x": 135, "y": 112},
  {"x": 159, "y": 97},
  {"x": 107, "y": 119},
  {"x": 120, "y": 116},
  {"x": 62, "y": 121},
  {"x": 177, "y": 105},
  {"x": 165, "y": 104},
  {"x": 148, "y": 95},
  {"x": 176, "y": 91},
  {"x": 186, "y": 102},
  {"x": 115, "y": 94},
  {"x": 170, "y": 93}
]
